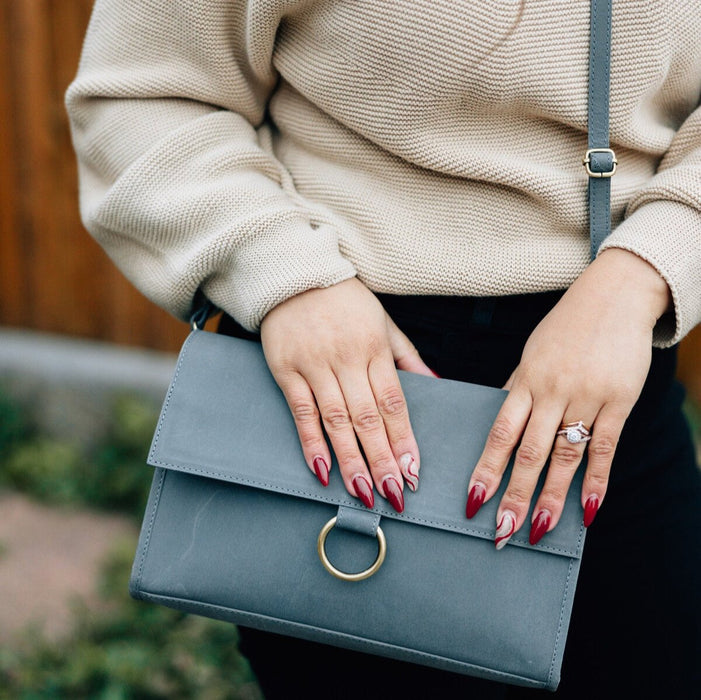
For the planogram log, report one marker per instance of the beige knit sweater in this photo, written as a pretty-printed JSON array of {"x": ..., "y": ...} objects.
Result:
[{"x": 253, "y": 150}]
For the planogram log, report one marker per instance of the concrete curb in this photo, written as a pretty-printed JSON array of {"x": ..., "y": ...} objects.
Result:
[
  {"x": 69, "y": 384},
  {"x": 61, "y": 360}
]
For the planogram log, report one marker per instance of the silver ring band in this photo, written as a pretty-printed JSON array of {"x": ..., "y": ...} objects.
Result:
[{"x": 575, "y": 432}]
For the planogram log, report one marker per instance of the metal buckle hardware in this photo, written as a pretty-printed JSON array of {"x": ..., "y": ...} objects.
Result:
[
  {"x": 382, "y": 551},
  {"x": 587, "y": 161}
]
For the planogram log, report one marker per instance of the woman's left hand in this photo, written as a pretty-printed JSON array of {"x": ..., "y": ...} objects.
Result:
[{"x": 586, "y": 361}]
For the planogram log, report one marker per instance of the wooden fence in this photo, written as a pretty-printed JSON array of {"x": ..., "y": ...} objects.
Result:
[{"x": 53, "y": 277}]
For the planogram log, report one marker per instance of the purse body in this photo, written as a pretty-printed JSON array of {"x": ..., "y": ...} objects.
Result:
[{"x": 234, "y": 514}]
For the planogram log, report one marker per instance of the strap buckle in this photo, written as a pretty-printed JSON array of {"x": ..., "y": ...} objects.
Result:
[
  {"x": 199, "y": 317},
  {"x": 587, "y": 162}
]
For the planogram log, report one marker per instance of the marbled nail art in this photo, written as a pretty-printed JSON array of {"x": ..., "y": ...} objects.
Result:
[
  {"x": 410, "y": 470},
  {"x": 505, "y": 529}
]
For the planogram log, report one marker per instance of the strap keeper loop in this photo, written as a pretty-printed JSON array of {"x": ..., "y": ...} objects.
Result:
[{"x": 600, "y": 162}]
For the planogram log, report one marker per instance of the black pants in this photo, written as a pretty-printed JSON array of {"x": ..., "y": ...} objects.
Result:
[{"x": 636, "y": 623}]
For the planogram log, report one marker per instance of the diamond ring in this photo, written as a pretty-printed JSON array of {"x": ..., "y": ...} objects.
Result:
[{"x": 574, "y": 432}]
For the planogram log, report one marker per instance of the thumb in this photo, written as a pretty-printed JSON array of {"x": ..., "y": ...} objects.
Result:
[{"x": 405, "y": 355}]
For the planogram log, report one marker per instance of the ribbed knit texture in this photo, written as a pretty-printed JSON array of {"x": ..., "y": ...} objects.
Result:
[{"x": 253, "y": 150}]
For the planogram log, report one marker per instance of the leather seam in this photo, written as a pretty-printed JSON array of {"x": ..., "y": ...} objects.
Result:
[
  {"x": 582, "y": 532},
  {"x": 282, "y": 624},
  {"x": 147, "y": 539},
  {"x": 481, "y": 534},
  {"x": 166, "y": 404},
  {"x": 559, "y": 624}
]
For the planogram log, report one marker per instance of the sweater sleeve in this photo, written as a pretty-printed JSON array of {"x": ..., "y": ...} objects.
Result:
[
  {"x": 177, "y": 179},
  {"x": 663, "y": 226}
]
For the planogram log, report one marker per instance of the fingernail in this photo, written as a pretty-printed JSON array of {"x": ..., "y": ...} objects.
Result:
[
  {"x": 475, "y": 499},
  {"x": 410, "y": 470},
  {"x": 540, "y": 526},
  {"x": 435, "y": 374},
  {"x": 321, "y": 469},
  {"x": 393, "y": 493},
  {"x": 363, "y": 490},
  {"x": 505, "y": 529},
  {"x": 591, "y": 508}
]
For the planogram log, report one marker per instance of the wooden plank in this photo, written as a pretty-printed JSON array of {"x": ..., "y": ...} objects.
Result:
[
  {"x": 35, "y": 149},
  {"x": 78, "y": 269},
  {"x": 13, "y": 281},
  {"x": 689, "y": 371},
  {"x": 53, "y": 276}
]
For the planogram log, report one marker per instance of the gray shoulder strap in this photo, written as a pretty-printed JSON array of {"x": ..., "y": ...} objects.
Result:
[{"x": 599, "y": 161}]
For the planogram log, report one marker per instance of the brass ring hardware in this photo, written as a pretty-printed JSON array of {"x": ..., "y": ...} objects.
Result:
[
  {"x": 587, "y": 160},
  {"x": 321, "y": 548}
]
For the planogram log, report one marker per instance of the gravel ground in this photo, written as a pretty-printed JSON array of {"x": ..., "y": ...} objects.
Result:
[{"x": 48, "y": 556}]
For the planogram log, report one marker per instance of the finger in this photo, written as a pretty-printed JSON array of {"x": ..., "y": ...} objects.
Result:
[
  {"x": 565, "y": 458},
  {"x": 392, "y": 406},
  {"x": 304, "y": 410},
  {"x": 339, "y": 427},
  {"x": 501, "y": 442},
  {"x": 531, "y": 456},
  {"x": 405, "y": 355},
  {"x": 370, "y": 430},
  {"x": 602, "y": 446}
]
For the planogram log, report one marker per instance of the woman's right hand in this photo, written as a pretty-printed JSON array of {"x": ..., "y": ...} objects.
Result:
[{"x": 333, "y": 353}]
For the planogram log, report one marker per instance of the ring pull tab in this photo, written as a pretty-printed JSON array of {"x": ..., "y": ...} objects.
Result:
[{"x": 344, "y": 576}]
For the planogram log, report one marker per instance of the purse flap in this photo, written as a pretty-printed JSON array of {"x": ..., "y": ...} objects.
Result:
[{"x": 225, "y": 418}]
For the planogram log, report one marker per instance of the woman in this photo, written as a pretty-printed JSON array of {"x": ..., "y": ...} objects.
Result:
[{"x": 356, "y": 180}]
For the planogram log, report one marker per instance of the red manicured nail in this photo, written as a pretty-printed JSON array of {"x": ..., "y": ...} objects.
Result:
[
  {"x": 435, "y": 374},
  {"x": 364, "y": 490},
  {"x": 393, "y": 493},
  {"x": 539, "y": 527},
  {"x": 322, "y": 470},
  {"x": 591, "y": 508},
  {"x": 475, "y": 500}
]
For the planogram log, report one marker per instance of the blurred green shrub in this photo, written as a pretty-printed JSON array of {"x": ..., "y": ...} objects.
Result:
[
  {"x": 48, "y": 469},
  {"x": 14, "y": 427},
  {"x": 693, "y": 415},
  {"x": 112, "y": 476},
  {"x": 121, "y": 477},
  {"x": 125, "y": 649},
  {"x": 129, "y": 650}
]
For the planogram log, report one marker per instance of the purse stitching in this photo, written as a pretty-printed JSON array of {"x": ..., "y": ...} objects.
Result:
[
  {"x": 405, "y": 518},
  {"x": 144, "y": 549},
  {"x": 184, "y": 350},
  {"x": 157, "y": 434},
  {"x": 559, "y": 626},
  {"x": 156, "y": 598},
  {"x": 562, "y": 606}
]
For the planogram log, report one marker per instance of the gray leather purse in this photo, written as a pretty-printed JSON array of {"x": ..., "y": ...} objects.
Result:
[
  {"x": 236, "y": 522},
  {"x": 238, "y": 528}
]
